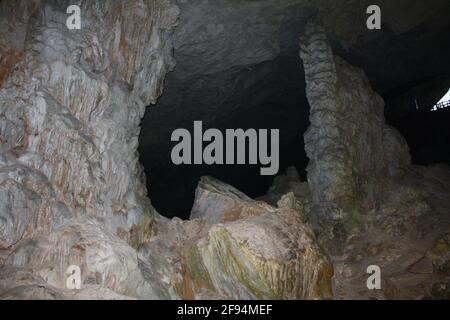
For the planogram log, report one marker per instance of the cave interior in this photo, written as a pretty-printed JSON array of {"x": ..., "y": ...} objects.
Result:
[
  {"x": 271, "y": 94},
  {"x": 89, "y": 192}
]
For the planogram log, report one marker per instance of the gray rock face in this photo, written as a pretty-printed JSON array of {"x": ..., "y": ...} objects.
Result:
[
  {"x": 405, "y": 235},
  {"x": 72, "y": 191},
  {"x": 24, "y": 284},
  {"x": 375, "y": 207},
  {"x": 217, "y": 202},
  {"x": 70, "y": 105},
  {"x": 244, "y": 249},
  {"x": 256, "y": 251},
  {"x": 71, "y": 101},
  {"x": 104, "y": 259},
  {"x": 348, "y": 143}
]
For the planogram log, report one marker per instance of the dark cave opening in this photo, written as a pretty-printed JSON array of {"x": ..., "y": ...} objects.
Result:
[
  {"x": 422, "y": 119},
  {"x": 270, "y": 95},
  {"x": 429, "y": 146}
]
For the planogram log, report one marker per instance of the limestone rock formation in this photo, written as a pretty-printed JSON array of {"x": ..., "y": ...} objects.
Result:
[
  {"x": 70, "y": 105},
  {"x": 71, "y": 102},
  {"x": 73, "y": 193},
  {"x": 217, "y": 202},
  {"x": 257, "y": 251},
  {"x": 18, "y": 283},
  {"x": 243, "y": 250},
  {"x": 375, "y": 208},
  {"x": 348, "y": 142},
  {"x": 285, "y": 183},
  {"x": 104, "y": 259}
]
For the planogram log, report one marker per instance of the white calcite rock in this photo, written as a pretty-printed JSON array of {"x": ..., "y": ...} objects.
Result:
[
  {"x": 71, "y": 186},
  {"x": 269, "y": 254},
  {"x": 103, "y": 258},
  {"x": 218, "y": 202}
]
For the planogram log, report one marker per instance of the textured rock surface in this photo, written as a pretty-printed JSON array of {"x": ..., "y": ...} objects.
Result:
[
  {"x": 104, "y": 259},
  {"x": 348, "y": 142},
  {"x": 217, "y": 202},
  {"x": 23, "y": 284},
  {"x": 71, "y": 109},
  {"x": 376, "y": 208},
  {"x": 258, "y": 251},
  {"x": 408, "y": 223},
  {"x": 286, "y": 183},
  {"x": 269, "y": 253},
  {"x": 70, "y": 105},
  {"x": 72, "y": 191},
  {"x": 71, "y": 186}
]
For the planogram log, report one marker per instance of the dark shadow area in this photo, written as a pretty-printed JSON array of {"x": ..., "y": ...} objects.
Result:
[
  {"x": 427, "y": 132},
  {"x": 266, "y": 96},
  {"x": 428, "y": 135}
]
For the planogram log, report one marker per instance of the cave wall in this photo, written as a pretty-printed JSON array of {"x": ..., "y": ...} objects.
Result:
[
  {"x": 70, "y": 104},
  {"x": 71, "y": 101}
]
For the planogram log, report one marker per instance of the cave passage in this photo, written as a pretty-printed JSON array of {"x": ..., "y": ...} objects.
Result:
[
  {"x": 425, "y": 126},
  {"x": 270, "y": 95}
]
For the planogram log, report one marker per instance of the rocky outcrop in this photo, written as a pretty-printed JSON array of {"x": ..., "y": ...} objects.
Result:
[
  {"x": 374, "y": 207},
  {"x": 70, "y": 104},
  {"x": 401, "y": 235},
  {"x": 18, "y": 283},
  {"x": 72, "y": 190},
  {"x": 71, "y": 187},
  {"x": 216, "y": 202},
  {"x": 259, "y": 251},
  {"x": 244, "y": 249},
  {"x": 348, "y": 142}
]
